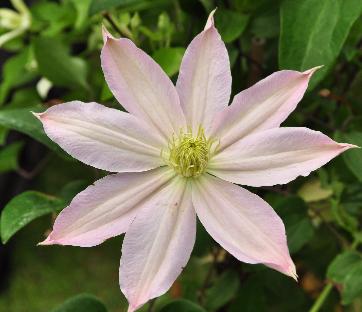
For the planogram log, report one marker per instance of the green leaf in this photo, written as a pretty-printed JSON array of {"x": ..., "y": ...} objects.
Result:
[
  {"x": 9, "y": 156},
  {"x": 71, "y": 189},
  {"x": 24, "y": 98},
  {"x": 312, "y": 191},
  {"x": 343, "y": 218},
  {"x": 251, "y": 5},
  {"x": 82, "y": 303},
  {"x": 353, "y": 157},
  {"x": 266, "y": 23},
  {"x": 23, "y": 209},
  {"x": 204, "y": 242},
  {"x": 15, "y": 73},
  {"x": 106, "y": 93},
  {"x": 342, "y": 265},
  {"x": 346, "y": 269},
  {"x": 299, "y": 232},
  {"x": 233, "y": 55},
  {"x": 82, "y": 7},
  {"x": 134, "y": 5},
  {"x": 352, "y": 284},
  {"x": 56, "y": 64},
  {"x": 251, "y": 296},
  {"x": 209, "y": 5},
  {"x": 169, "y": 59},
  {"x": 298, "y": 226},
  {"x": 3, "y": 134},
  {"x": 313, "y": 32},
  {"x": 51, "y": 18},
  {"x": 230, "y": 24},
  {"x": 182, "y": 305},
  {"x": 24, "y": 121},
  {"x": 223, "y": 290}
]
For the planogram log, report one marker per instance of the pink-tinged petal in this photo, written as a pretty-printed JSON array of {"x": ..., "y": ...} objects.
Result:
[
  {"x": 140, "y": 85},
  {"x": 103, "y": 137},
  {"x": 158, "y": 244},
  {"x": 263, "y": 106},
  {"x": 204, "y": 81},
  {"x": 242, "y": 223},
  {"x": 275, "y": 156},
  {"x": 107, "y": 208}
]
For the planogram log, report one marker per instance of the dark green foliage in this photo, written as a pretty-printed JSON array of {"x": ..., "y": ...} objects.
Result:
[
  {"x": 313, "y": 32},
  {"x": 182, "y": 306},
  {"x": 56, "y": 59},
  {"x": 81, "y": 303},
  {"x": 24, "y": 208}
]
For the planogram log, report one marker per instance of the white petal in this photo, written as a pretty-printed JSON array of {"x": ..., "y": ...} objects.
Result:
[
  {"x": 141, "y": 86},
  {"x": 242, "y": 223},
  {"x": 158, "y": 244},
  {"x": 204, "y": 81},
  {"x": 275, "y": 156},
  {"x": 107, "y": 208},
  {"x": 103, "y": 137},
  {"x": 263, "y": 106}
]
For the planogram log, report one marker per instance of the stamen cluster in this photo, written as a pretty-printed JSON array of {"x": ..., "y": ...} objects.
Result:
[{"x": 188, "y": 154}]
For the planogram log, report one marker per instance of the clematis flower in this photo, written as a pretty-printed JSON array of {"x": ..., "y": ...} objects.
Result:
[{"x": 176, "y": 155}]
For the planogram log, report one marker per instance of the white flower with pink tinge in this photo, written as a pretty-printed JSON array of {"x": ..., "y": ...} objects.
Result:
[{"x": 177, "y": 154}]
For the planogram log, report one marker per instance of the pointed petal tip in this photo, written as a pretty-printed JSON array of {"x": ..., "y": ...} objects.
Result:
[
  {"x": 37, "y": 115},
  {"x": 311, "y": 71},
  {"x": 347, "y": 146},
  {"x": 47, "y": 241},
  {"x": 210, "y": 20},
  {"x": 131, "y": 308},
  {"x": 106, "y": 34},
  {"x": 295, "y": 277},
  {"x": 292, "y": 272}
]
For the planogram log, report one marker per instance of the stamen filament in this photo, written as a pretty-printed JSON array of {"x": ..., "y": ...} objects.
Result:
[{"x": 189, "y": 155}]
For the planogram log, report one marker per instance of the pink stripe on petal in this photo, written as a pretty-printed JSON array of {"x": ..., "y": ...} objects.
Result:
[
  {"x": 141, "y": 87},
  {"x": 204, "y": 81},
  {"x": 158, "y": 244},
  {"x": 263, "y": 106},
  {"x": 107, "y": 208},
  {"x": 103, "y": 137},
  {"x": 242, "y": 223},
  {"x": 275, "y": 156}
]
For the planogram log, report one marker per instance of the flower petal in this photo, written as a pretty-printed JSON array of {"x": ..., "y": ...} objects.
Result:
[
  {"x": 263, "y": 106},
  {"x": 141, "y": 86},
  {"x": 158, "y": 244},
  {"x": 275, "y": 156},
  {"x": 103, "y": 137},
  {"x": 107, "y": 208},
  {"x": 242, "y": 223},
  {"x": 204, "y": 81}
]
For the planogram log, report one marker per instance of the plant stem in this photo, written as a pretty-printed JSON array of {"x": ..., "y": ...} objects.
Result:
[
  {"x": 355, "y": 244},
  {"x": 215, "y": 254},
  {"x": 328, "y": 287},
  {"x": 322, "y": 297},
  {"x": 108, "y": 17},
  {"x": 34, "y": 172}
]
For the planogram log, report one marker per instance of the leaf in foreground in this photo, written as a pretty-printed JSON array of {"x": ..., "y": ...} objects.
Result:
[
  {"x": 81, "y": 303},
  {"x": 23, "y": 209}
]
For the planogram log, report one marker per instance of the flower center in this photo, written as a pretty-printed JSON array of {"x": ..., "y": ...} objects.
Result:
[{"x": 189, "y": 155}]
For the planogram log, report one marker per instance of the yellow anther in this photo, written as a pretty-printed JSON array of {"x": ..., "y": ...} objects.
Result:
[{"x": 188, "y": 154}]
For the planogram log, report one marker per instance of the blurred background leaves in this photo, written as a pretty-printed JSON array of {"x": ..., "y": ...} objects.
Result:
[{"x": 49, "y": 54}]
